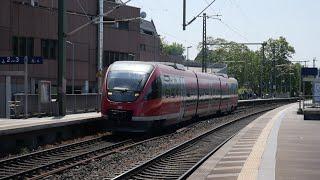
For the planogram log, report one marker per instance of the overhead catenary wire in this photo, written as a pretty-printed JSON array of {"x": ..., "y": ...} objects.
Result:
[
  {"x": 123, "y": 20},
  {"x": 240, "y": 9},
  {"x": 177, "y": 38},
  {"x": 200, "y": 13},
  {"x": 96, "y": 18},
  {"x": 228, "y": 26},
  {"x": 210, "y": 6},
  {"x": 233, "y": 30},
  {"x": 83, "y": 10}
]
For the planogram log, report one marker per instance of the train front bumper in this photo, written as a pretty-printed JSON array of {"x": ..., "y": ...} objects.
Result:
[{"x": 127, "y": 124}]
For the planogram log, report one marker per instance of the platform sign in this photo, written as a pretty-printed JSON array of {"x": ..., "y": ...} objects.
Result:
[
  {"x": 308, "y": 79},
  {"x": 20, "y": 60},
  {"x": 316, "y": 90},
  {"x": 309, "y": 72}
]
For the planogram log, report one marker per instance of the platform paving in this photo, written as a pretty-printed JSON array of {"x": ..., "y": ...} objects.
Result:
[
  {"x": 13, "y": 126},
  {"x": 278, "y": 145}
]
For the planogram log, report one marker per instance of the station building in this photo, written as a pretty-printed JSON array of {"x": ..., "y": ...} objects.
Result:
[{"x": 30, "y": 28}]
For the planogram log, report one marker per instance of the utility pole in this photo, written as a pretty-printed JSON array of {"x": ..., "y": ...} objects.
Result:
[
  {"x": 184, "y": 15},
  {"x": 290, "y": 91},
  {"x": 273, "y": 79},
  {"x": 261, "y": 69},
  {"x": 204, "y": 40},
  {"x": 73, "y": 68},
  {"x": 204, "y": 43},
  {"x": 204, "y": 35},
  {"x": 62, "y": 58},
  {"x": 314, "y": 62},
  {"x": 100, "y": 49}
]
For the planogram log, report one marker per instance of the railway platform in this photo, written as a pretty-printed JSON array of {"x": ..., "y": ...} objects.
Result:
[
  {"x": 278, "y": 145},
  {"x": 13, "y": 126},
  {"x": 32, "y": 132}
]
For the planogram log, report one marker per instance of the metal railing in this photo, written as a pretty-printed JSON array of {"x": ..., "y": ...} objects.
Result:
[
  {"x": 310, "y": 101},
  {"x": 75, "y": 103}
]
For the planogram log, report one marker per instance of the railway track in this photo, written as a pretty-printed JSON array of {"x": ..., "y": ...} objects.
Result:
[
  {"x": 47, "y": 162},
  {"x": 180, "y": 161},
  {"x": 44, "y": 163}
]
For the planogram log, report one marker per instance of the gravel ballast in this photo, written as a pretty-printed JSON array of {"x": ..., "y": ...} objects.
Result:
[{"x": 115, "y": 164}]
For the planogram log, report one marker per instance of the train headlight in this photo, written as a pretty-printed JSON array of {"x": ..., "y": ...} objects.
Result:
[
  {"x": 109, "y": 93},
  {"x": 136, "y": 94}
]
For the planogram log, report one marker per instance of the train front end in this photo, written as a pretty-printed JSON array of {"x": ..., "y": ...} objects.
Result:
[{"x": 123, "y": 92}]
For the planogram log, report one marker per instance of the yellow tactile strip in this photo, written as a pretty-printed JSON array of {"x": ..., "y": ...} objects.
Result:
[
  {"x": 230, "y": 166},
  {"x": 224, "y": 165},
  {"x": 251, "y": 166},
  {"x": 243, "y": 159}
]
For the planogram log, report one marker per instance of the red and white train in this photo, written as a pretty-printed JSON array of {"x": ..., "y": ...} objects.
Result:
[{"x": 139, "y": 96}]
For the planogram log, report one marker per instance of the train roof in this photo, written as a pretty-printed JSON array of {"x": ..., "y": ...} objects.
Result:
[{"x": 176, "y": 66}]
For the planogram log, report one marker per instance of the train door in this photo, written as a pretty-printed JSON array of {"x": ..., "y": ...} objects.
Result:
[
  {"x": 182, "y": 87},
  {"x": 220, "y": 94},
  {"x": 209, "y": 96}
]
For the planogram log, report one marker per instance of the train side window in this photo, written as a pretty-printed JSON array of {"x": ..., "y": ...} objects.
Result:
[
  {"x": 167, "y": 78},
  {"x": 188, "y": 92},
  {"x": 154, "y": 90},
  {"x": 178, "y": 86},
  {"x": 167, "y": 90}
]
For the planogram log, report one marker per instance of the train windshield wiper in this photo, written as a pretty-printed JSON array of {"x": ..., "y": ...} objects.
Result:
[
  {"x": 141, "y": 80},
  {"x": 120, "y": 89}
]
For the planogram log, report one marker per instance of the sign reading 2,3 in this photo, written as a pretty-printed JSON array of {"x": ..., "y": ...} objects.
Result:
[{"x": 21, "y": 60}]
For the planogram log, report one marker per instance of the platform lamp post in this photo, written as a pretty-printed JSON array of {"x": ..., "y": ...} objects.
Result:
[
  {"x": 290, "y": 83},
  {"x": 188, "y": 47},
  {"x": 188, "y": 52},
  {"x": 72, "y": 44}
]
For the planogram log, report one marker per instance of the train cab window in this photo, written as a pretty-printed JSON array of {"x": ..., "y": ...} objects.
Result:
[
  {"x": 154, "y": 91},
  {"x": 125, "y": 81}
]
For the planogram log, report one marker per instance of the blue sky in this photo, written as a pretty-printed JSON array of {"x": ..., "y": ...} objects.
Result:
[{"x": 243, "y": 21}]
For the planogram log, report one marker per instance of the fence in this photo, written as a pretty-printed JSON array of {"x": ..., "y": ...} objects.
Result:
[
  {"x": 75, "y": 103},
  {"x": 310, "y": 101}
]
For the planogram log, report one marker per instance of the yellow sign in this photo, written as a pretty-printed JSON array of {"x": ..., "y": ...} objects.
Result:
[
  {"x": 99, "y": 74},
  {"x": 308, "y": 79}
]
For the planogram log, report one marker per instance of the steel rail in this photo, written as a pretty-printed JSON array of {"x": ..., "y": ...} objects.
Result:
[
  {"x": 46, "y": 162},
  {"x": 57, "y": 164},
  {"x": 184, "y": 168},
  {"x": 68, "y": 166},
  {"x": 31, "y": 164}
]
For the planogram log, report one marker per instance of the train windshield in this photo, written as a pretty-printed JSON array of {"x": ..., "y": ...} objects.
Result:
[{"x": 126, "y": 81}]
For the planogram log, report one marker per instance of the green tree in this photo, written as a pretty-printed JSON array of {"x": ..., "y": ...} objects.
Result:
[
  {"x": 247, "y": 66},
  {"x": 240, "y": 60},
  {"x": 279, "y": 50},
  {"x": 277, "y": 67},
  {"x": 172, "y": 49}
]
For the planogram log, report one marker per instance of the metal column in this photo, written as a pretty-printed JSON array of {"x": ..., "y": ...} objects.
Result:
[
  {"x": 262, "y": 70},
  {"x": 204, "y": 43},
  {"x": 8, "y": 95},
  {"x": 26, "y": 87},
  {"x": 62, "y": 58},
  {"x": 33, "y": 86},
  {"x": 100, "y": 44}
]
